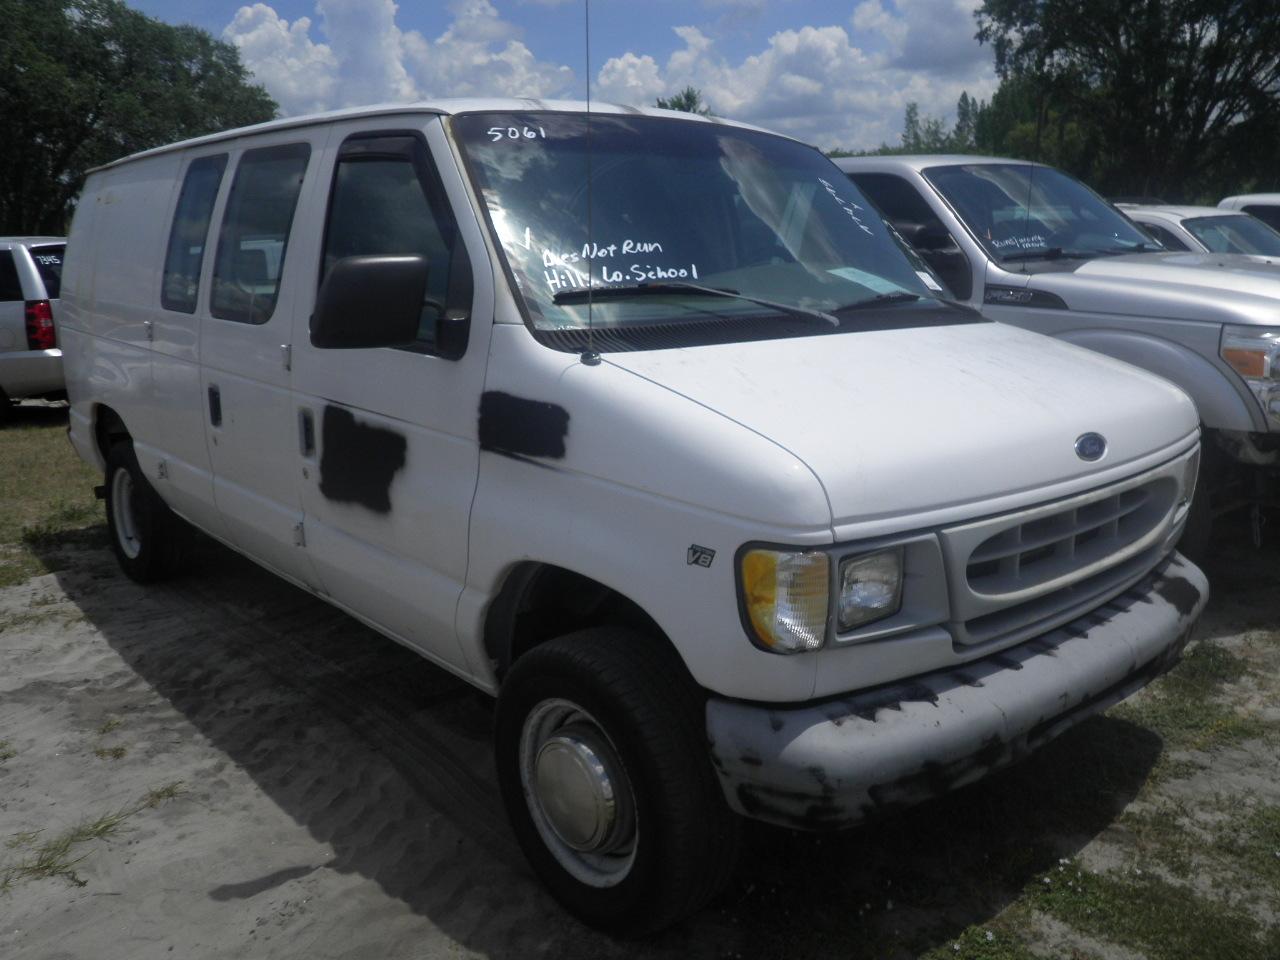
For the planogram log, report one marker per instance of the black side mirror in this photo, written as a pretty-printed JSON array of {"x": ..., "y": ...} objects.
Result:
[{"x": 370, "y": 301}]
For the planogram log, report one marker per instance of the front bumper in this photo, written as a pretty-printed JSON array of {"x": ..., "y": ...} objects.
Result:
[{"x": 834, "y": 763}]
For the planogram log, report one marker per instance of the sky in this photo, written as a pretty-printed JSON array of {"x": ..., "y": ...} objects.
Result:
[{"x": 836, "y": 74}]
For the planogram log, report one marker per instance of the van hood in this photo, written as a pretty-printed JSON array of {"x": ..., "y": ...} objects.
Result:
[
  {"x": 896, "y": 423},
  {"x": 1228, "y": 288}
]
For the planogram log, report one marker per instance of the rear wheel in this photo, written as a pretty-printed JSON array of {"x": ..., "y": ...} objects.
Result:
[
  {"x": 602, "y": 759},
  {"x": 148, "y": 539}
]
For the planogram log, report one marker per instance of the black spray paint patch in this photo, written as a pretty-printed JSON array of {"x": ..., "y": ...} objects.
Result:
[
  {"x": 523, "y": 428},
  {"x": 358, "y": 461}
]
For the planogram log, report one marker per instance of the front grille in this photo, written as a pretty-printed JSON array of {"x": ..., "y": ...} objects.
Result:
[
  {"x": 1020, "y": 574},
  {"x": 1040, "y": 551}
]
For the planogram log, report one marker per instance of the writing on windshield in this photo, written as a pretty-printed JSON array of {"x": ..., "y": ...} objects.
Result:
[
  {"x": 1020, "y": 209},
  {"x": 632, "y": 200}
]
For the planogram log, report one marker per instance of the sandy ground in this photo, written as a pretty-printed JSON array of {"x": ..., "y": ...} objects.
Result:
[{"x": 336, "y": 796}]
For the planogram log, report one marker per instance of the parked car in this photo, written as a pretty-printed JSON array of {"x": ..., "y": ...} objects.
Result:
[
  {"x": 1264, "y": 206},
  {"x": 30, "y": 361},
  {"x": 1032, "y": 247},
  {"x": 1207, "y": 230},
  {"x": 683, "y": 462}
]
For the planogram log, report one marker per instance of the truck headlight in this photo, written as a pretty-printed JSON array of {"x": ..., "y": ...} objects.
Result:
[
  {"x": 870, "y": 588},
  {"x": 1254, "y": 353},
  {"x": 786, "y": 596}
]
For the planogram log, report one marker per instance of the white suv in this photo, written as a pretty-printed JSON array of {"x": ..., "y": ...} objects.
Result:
[
  {"x": 645, "y": 424},
  {"x": 30, "y": 276}
]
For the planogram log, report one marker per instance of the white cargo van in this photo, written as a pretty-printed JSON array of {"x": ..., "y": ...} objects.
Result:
[{"x": 643, "y": 423}]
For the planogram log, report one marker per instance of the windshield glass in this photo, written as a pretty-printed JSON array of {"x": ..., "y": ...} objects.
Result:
[
  {"x": 1021, "y": 212},
  {"x": 684, "y": 202},
  {"x": 1235, "y": 234},
  {"x": 48, "y": 260}
]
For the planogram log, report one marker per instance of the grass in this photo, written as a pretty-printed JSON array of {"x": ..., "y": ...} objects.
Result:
[
  {"x": 1187, "y": 709},
  {"x": 110, "y": 753},
  {"x": 46, "y": 493},
  {"x": 1142, "y": 911},
  {"x": 6, "y": 751},
  {"x": 56, "y": 857}
]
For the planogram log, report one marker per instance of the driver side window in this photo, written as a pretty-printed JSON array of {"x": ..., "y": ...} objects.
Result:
[
  {"x": 901, "y": 204},
  {"x": 387, "y": 199}
]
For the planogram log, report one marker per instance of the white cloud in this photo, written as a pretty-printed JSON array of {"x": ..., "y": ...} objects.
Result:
[
  {"x": 821, "y": 83},
  {"x": 298, "y": 73},
  {"x": 366, "y": 58},
  {"x": 835, "y": 85}
]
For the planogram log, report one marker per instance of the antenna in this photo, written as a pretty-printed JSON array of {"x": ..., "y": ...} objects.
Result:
[
  {"x": 1026, "y": 218},
  {"x": 589, "y": 356}
]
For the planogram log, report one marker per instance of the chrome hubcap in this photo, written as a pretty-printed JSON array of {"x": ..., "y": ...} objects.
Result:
[
  {"x": 578, "y": 793},
  {"x": 126, "y": 523}
]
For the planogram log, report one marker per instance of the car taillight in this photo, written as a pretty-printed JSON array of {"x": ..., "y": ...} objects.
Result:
[{"x": 40, "y": 333}]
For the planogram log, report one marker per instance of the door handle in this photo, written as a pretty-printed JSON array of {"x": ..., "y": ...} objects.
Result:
[
  {"x": 307, "y": 433},
  {"x": 215, "y": 406}
]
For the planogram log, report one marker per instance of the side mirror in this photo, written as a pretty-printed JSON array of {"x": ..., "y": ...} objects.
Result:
[{"x": 370, "y": 301}]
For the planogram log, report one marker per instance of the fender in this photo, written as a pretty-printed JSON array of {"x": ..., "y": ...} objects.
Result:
[{"x": 1222, "y": 403}]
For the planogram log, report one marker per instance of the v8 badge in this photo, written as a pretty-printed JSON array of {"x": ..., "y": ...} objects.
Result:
[{"x": 700, "y": 556}]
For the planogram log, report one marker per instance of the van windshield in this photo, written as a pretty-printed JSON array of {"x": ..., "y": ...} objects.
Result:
[
  {"x": 1023, "y": 212},
  {"x": 1234, "y": 234},
  {"x": 641, "y": 210}
]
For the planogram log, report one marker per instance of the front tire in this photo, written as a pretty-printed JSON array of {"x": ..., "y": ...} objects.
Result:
[
  {"x": 148, "y": 539},
  {"x": 604, "y": 770}
]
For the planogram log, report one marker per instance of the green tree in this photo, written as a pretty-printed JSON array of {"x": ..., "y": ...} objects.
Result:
[
  {"x": 689, "y": 100},
  {"x": 83, "y": 82},
  {"x": 1170, "y": 97}
]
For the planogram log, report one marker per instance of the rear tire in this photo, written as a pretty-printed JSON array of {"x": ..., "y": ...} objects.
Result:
[
  {"x": 148, "y": 539},
  {"x": 608, "y": 720}
]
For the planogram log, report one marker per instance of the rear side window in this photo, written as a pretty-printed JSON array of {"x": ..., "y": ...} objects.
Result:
[
  {"x": 48, "y": 260},
  {"x": 189, "y": 233},
  {"x": 10, "y": 287},
  {"x": 1267, "y": 214},
  {"x": 255, "y": 232},
  {"x": 388, "y": 199}
]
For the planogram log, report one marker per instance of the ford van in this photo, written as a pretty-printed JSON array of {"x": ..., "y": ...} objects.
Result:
[{"x": 643, "y": 423}]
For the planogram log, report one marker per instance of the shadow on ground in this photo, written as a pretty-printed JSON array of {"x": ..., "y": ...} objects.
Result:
[
  {"x": 33, "y": 413},
  {"x": 342, "y": 728}
]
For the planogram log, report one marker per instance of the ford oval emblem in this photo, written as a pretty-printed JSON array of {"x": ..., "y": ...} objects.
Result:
[{"x": 1091, "y": 446}]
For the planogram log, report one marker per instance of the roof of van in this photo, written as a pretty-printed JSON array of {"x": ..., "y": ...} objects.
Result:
[
  {"x": 445, "y": 107},
  {"x": 1251, "y": 198},
  {"x": 1179, "y": 211},
  {"x": 921, "y": 161}
]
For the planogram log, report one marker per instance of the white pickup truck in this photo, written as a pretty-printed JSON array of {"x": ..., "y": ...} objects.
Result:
[
  {"x": 644, "y": 424},
  {"x": 1030, "y": 246}
]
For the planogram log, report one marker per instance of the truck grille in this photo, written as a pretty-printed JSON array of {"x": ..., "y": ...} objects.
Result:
[{"x": 1020, "y": 574}]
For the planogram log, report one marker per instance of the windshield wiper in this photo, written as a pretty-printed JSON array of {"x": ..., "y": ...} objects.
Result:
[
  {"x": 880, "y": 299},
  {"x": 1045, "y": 253},
  {"x": 626, "y": 291},
  {"x": 1136, "y": 248}
]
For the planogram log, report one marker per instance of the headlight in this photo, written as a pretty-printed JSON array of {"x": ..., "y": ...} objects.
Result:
[
  {"x": 1254, "y": 353},
  {"x": 870, "y": 588},
  {"x": 786, "y": 596}
]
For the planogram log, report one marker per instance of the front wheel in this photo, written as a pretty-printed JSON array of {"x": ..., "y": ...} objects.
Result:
[
  {"x": 148, "y": 538},
  {"x": 603, "y": 764}
]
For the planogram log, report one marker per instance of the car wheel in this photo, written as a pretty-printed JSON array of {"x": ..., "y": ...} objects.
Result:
[
  {"x": 148, "y": 539},
  {"x": 602, "y": 760}
]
